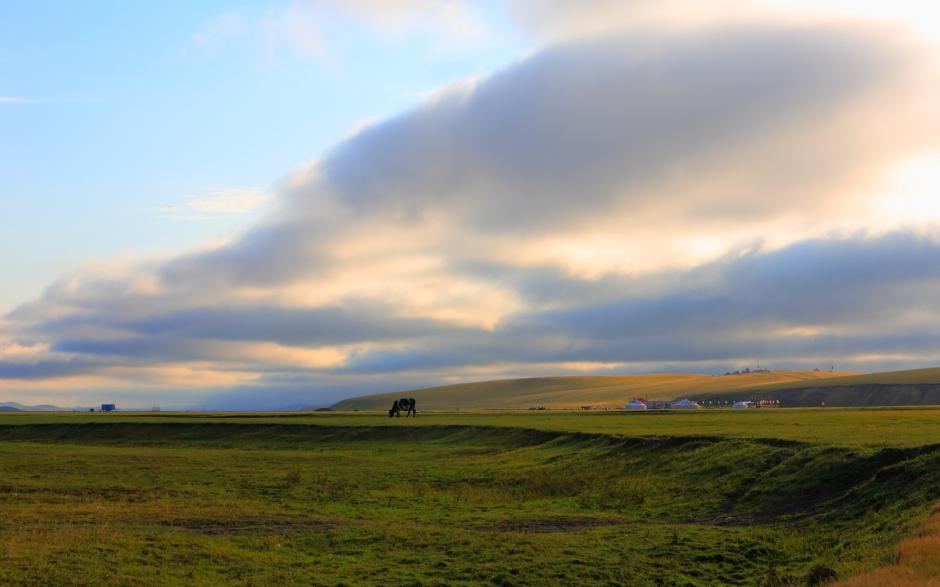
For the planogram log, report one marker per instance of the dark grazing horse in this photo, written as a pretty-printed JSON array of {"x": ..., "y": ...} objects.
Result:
[{"x": 406, "y": 404}]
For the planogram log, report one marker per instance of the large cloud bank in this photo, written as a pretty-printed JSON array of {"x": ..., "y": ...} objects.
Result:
[{"x": 634, "y": 201}]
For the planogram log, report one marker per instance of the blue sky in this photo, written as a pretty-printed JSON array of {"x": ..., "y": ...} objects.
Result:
[
  {"x": 133, "y": 107},
  {"x": 267, "y": 204}
]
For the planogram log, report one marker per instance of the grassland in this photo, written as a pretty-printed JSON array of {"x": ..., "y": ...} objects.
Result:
[
  {"x": 871, "y": 427},
  {"x": 462, "y": 498},
  {"x": 572, "y": 392}
]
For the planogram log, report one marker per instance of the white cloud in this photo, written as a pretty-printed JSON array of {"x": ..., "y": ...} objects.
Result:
[
  {"x": 912, "y": 193},
  {"x": 568, "y": 19},
  {"x": 298, "y": 28},
  {"x": 455, "y": 21},
  {"x": 16, "y": 100},
  {"x": 308, "y": 27},
  {"x": 221, "y": 28},
  {"x": 220, "y": 202}
]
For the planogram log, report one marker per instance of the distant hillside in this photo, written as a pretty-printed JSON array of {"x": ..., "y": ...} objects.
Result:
[
  {"x": 572, "y": 392},
  {"x": 18, "y": 407},
  {"x": 890, "y": 388}
]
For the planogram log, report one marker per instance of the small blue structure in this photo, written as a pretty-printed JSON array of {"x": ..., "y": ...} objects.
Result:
[{"x": 108, "y": 407}]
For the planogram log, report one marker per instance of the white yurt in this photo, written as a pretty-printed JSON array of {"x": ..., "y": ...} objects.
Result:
[
  {"x": 684, "y": 404},
  {"x": 742, "y": 405},
  {"x": 635, "y": 404}
]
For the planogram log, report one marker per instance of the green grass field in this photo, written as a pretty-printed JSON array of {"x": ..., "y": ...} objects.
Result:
[
  {"x": 703, "y": 498},
  {"x": 865, "y": 427}
]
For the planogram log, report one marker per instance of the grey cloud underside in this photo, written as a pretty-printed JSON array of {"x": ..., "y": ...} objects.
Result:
[
  {"x": 283, "y": 251},
  {"x": 293, "y": 326},
  {"x": 867, "y": 295},
  {"x": 288, "y": 326},
  {"x": 47, "y": 369}
]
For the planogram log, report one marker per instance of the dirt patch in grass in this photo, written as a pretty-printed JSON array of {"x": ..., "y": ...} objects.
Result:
[
  {"x": 249, "y": 526},
  {"x": 556, "y": 524}
]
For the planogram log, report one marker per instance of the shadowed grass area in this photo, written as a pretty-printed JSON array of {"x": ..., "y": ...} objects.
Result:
[
  {"x": 898, "y": 427},
  {"x": 209, "y": 501}
]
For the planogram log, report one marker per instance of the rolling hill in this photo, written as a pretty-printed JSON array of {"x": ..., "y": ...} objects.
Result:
[
  {"x": 572, "y": 392},
  {"x": 890, "y": 388},
  {"x": 18, "y": 407}
]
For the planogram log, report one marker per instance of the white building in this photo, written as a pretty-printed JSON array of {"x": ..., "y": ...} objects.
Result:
[
  {"x": 635, "y": 404},
  {"x": 742, "y": 405},
  {"x": 685, "y": 404}
]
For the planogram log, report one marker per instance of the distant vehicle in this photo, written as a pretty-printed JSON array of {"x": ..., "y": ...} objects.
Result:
[{"x": 108, "y": 407}]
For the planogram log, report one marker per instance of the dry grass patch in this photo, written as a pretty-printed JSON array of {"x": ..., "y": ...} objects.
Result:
[{"x": 917, "y": 564}]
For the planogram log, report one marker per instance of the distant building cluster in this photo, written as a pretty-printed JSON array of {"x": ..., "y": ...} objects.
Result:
[
  {"x": 642, "y": 404},
  {"x": 639, "y": 403},
  {"x": 743, "y": 404},
  {"x": 748, "y": 371}
]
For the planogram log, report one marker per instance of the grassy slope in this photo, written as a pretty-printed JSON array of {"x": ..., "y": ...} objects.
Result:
[
  {"x": 910, "y": 387},
  {"x": 197, "y": 500},
  {"x": 917, "y": 562},
  {"x": 910, "y": 376},
  {"x": 572, "y": 392}
]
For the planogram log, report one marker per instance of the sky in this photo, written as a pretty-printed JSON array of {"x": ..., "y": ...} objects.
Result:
[{"x": 261, "y": 205}]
